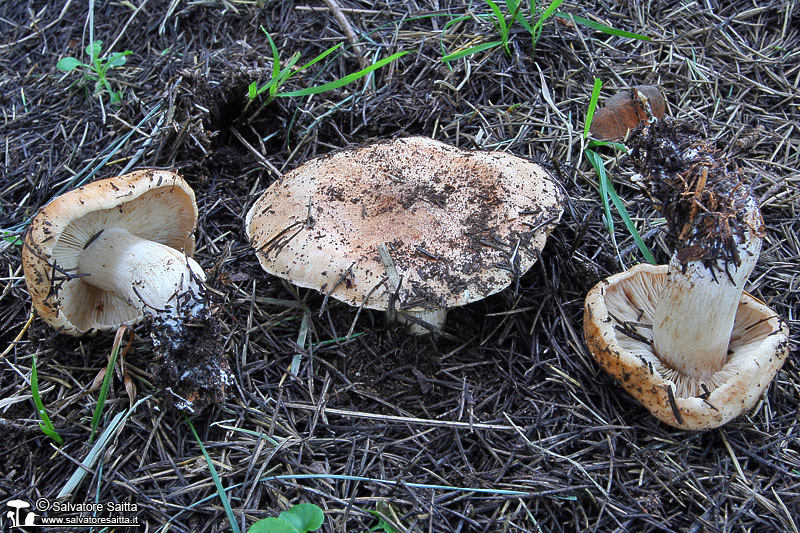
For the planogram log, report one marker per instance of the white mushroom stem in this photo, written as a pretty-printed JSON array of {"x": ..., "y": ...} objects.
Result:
[
  {"x": 157, "y": 279},
  {"x": 695, "y": 313},
  {"x": 434, "y": 317}
]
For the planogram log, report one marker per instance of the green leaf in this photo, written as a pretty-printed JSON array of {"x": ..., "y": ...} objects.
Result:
[
  {"x": 12, "y": 239},
  {"x": 117, "y": 58},
  {"x": 382, "y": 524},
  {"x": 598, "y": 84},
  {"x": 551, "y": 9},
  {"x": 276, "y": 58},
  {"x": 602, "y": 27},
  {"x": 68, "y": 64},
  {"x": 252, "y": 91},
  {"x": 344, "y": 81},
  {"x": 617, "y": 146},
  {"x": 93, "y": 49},
  {"x": 471, "y": 50},
  {"x": 112, "y": 361},
  {"x": 299, "y": 518},
  {"x": 287, "y": 72},
  {"x": 273, "y": 525},
  {"x": 446, "y": 26},
  {"x": 537, "y": 28},
  {"x": 304, "y": 517}
]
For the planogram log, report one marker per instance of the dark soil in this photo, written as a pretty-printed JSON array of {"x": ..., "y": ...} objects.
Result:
[
  {"x": 505, "y": 423},
  {"x": 701, "y": 192}
]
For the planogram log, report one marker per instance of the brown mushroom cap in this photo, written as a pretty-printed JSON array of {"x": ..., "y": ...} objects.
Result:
[
  {"x": 622, "y": 113},
  {"x": 618, "y": 321},
  {"x": 156, "y": 205},
  {"x": 459, "y": 225}
]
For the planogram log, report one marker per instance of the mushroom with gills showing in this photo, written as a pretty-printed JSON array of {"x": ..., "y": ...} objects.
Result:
[
  {"x": 116, "y": 250},
  {"x": 113, "y": 251},
  {"x": 410, "y": 226},
  {"x": 684, "y": 338}
]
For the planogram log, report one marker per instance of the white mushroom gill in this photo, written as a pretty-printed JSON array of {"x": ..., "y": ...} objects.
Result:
[{"x": 152, "y": 277}]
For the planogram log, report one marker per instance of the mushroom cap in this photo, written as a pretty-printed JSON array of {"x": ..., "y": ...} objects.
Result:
[
  {"x": 616, "y": 321},
  {"x": 156, "y": 205},
  {"x": 459, "y": 225},
  {"x": 622, "y": 113}
]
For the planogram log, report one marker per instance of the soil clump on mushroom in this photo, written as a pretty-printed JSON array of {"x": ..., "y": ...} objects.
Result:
[
  {"x": 700, "y": 191},
  {"x": 190, "y": 367}
]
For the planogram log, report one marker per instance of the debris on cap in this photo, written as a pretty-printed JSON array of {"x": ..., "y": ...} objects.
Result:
[{"x": 458, "y": 225}]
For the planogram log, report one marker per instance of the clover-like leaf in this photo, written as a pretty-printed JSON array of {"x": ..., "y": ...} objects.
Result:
[
  {"x": 304, "y": 516},
  {"x": 300, "y": 518}
]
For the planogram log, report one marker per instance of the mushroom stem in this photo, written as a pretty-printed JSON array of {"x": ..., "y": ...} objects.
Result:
[
  {"x": 434, "y": 317},
  {"x": 695, "y": 313},
  {"x": 152, "y": 277}
]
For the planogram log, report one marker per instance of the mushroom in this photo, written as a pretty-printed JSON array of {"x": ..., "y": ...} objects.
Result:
[
  {"x": 412, "y": 225},
  {"x": 114, "y": 250},
  {"x": 684, "y": 338},
  {"x": 625, "y": 110},
  {"x": 117, "y": 250}
]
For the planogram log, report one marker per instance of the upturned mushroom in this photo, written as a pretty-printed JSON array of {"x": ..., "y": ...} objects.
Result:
[
  {"x": 685, "y": 339},
  {"x": 117, "y": 250},
  {"x": 114, "y": 250},
  {"x": 412, "y": 225}
]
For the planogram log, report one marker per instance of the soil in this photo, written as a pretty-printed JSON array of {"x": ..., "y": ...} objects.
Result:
[
  {"x": 701, "y": 192},
  {"x": 505, "y": 422}
]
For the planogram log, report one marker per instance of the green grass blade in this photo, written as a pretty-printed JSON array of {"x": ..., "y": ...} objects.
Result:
[
  {"x": 217, "y": 482},
  {"x": 514, "y": 7},
  {"x": 471, "y": 50},
  {"x": 603, "y": 28},
  {"x": 343, "y": 81},
  {"x": 598, "y": 84},
  {"x": 101, "y": 399},
  {"x": 276, "y": 58},
  {"x": 629, "y": 225},
  {"x": 617, "y": 146},
  {"x": 551, "y": 9},
  {"x": 548, "y": 12},
  {"x": 46, "y": 425},
  {"x": 97, "y": 450},
  {"x": 320, "y": 57},
  {"x": 599, "y": 167},
  {"x": 444, "y": 30},
  {"x": 607, "y": 191},
  {"x": 501, "y": 21}
]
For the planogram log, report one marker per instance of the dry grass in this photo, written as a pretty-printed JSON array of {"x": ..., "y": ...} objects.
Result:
[{"x": 513, "y": 401}]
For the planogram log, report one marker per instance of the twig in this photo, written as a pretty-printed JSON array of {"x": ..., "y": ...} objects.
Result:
[
  {"x": 18, "y": 337},
  {"x": 344, "y": 22}
]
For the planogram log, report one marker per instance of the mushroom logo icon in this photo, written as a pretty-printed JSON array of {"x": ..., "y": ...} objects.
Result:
[{"x": 13, "y": 516}]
